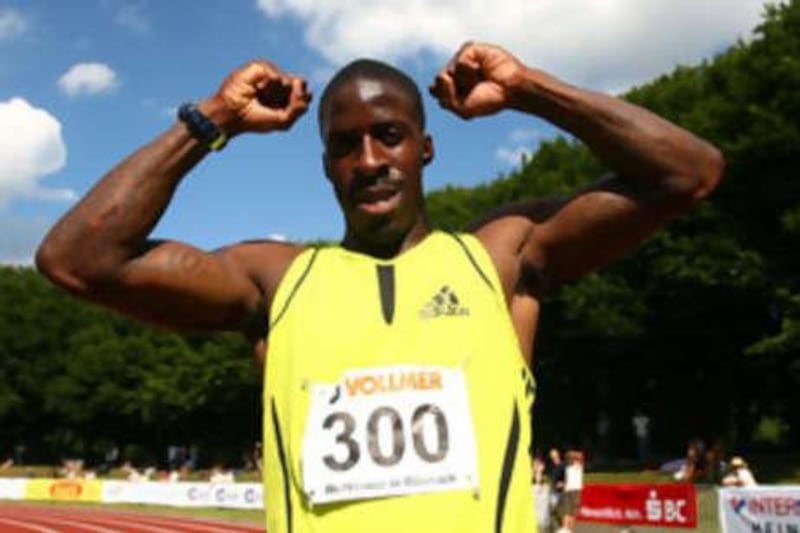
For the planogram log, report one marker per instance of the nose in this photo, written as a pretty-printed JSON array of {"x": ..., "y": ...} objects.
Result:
[{"x": 371, "y": 157}]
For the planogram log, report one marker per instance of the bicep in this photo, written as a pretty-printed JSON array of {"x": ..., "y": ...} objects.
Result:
[
  {"x": 177, "y": 286},
  {"x": 548, "y": 241},
  {"x": 600, "y": 224}
]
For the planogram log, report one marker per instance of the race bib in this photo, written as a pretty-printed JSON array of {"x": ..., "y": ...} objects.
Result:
[{"x": 389, "y": 431}]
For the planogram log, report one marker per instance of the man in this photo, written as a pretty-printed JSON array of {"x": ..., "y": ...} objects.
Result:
[
  {"x": 570, "y": 500},
  {"x": 397, "y": 389},
  {"x": 739, "y": 475},
  {"x": 641, "y": 429},
  {"x": 556, "y": 470}
]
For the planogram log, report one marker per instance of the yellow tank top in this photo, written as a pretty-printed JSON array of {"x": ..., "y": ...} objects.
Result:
[{"x": 425, "y": 343}]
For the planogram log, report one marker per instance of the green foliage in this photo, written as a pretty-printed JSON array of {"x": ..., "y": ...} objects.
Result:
[
  {"x": 700, "y": 327},
  {"x": 84, "y": 378}
]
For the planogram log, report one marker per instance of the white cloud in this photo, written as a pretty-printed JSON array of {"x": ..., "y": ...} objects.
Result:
[
  {"x": 88, "y": 78},
  {"x": 525, "y": 135},
  {"x": 31, "y": 147},
  {"x": 131, "y": 15},
  {"x": 520, "y": 143},
  {"x": 512, "y": 156},
  {"x": 12, "y": 24},
  {"x": 606, "y": 44}
]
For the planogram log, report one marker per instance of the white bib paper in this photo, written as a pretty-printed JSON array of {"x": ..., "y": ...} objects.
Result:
[{"x": 389, "y": 431}]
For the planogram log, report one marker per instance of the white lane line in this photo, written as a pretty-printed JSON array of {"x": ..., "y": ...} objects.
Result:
[
  {"x": 28, "y": 526},
  {"x": 125, "y": 525},
  {"x": 187, "y": 523},
  {"x": 143, "y": 522},
  {"x": 57, "y": 521},
  {"x": 194, "y": 524}
]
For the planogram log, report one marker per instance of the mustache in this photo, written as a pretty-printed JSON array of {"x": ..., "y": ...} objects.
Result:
[{"x": 387, "y": 177}]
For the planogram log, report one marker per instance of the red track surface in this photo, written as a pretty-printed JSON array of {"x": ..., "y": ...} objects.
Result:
[{"x": 20, "y": 518}]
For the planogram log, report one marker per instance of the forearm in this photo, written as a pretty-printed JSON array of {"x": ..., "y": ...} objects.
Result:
[
  {"x": 635, "y": 143},
  {"x": 110, "y": 224}
]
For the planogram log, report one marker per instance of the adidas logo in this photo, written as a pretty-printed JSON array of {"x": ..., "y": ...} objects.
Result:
[{"x": 444, "y": 303}]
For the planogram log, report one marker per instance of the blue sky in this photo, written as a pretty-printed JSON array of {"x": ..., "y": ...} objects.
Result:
[{"x": 85, "y": 82}]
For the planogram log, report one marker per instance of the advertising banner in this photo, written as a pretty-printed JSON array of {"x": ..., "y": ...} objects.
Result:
[
  {"x": 663, "y": 505},
  {"x": 763, "y": 509},
  {"x": 185, "y": 494},
  {"x": 72, "y": 490},
  {"x": 12, "y": 488}
]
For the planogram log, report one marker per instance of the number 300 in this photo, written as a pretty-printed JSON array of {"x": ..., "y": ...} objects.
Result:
[{"x": 397, "y": 435}]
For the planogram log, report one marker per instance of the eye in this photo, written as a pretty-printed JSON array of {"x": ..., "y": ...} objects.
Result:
[
  {"x": 341, "y": 144},
  {"x": 389, "y": 134}
]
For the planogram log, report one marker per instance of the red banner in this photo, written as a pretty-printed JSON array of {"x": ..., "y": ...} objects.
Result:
[{"x": 665, "y": 505}]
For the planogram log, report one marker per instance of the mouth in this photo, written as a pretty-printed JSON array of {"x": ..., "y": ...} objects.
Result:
[{"x": 377, "y": 199}]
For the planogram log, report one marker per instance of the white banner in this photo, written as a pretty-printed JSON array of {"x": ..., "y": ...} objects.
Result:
[
  {"x": 763, "y": 509},
  {"x": 12, "y": 488},
  {"x": 185, "y": 494}
]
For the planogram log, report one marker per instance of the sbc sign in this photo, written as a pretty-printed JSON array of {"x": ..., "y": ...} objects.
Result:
[{"x": 664, "y": 505}]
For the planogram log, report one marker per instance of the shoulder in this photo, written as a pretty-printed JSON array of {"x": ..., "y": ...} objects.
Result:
[
  {"x": 511, "y": 238},
  {"x": 265, "y": 261}
]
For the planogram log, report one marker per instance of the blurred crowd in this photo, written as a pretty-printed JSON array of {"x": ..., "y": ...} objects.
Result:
[
  {"x": 180, "y": 464},
  {"x": 702, "y": 465}
]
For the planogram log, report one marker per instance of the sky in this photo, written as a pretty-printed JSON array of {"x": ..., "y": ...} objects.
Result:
[{"x": 83, "y": 83}]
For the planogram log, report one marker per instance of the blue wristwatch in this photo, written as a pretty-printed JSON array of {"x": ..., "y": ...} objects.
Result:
[{"x": 201, "y": 127}]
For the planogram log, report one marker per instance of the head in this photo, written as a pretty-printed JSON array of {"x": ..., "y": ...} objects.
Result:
[
  {"x": 372, "y": 124},
  {"x": 555, "y": 455},
  {"x": 737, "y": 462},
  {"x": 574, "y": 456}
]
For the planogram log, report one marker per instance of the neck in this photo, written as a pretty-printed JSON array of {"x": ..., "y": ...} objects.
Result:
[{"x": 386, "y": 244}]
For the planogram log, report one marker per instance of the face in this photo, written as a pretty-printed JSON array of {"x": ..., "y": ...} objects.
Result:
[{"x": 375, "y": 150}]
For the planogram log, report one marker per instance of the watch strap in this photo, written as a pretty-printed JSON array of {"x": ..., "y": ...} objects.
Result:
[{"x": 201, "y": 127}]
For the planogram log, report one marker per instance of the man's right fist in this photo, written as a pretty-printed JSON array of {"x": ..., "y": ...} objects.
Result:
[{"x": 258, "y": 97}]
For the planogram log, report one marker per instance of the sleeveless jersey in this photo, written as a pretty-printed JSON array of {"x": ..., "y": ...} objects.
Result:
[{"x": 396, "y": 397}]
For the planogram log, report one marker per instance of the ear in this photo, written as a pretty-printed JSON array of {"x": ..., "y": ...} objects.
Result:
[{"x": 427, "y": 150}]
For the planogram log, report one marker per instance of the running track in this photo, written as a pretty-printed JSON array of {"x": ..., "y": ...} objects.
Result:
[{"x": 21, "y": 518}]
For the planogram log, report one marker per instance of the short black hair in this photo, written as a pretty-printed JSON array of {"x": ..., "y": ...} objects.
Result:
[{"x": 372, "y": 69}]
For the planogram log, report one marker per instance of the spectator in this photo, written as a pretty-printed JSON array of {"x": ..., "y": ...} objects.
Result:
[
  {"x": 538, "y": 471},
  {"x": 641, "y": 428},
  {"x": 19, "y": 453},
  {"x": 570, "y": 500},
  {"x": 739, "y": 474},
  {"x": 541, "y": 493},
  {"x": 715, "y": 463},
  {"x": 603, "y": 431},
  {"x": 219, "y": 474},
  {"x": 192, "y": 457},
  {"x": 258, "y": 454},
  {"x": 72, "y": 468},
  {"x": 110, "y": 460},
  {"x": 555, "y": 473},
  {"x": 695, "y": 466},
  {"x": 135, "y": 476},
  {"x": 175, "y": 456}
]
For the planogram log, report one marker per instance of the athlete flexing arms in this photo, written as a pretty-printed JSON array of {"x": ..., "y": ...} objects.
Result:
[{"x": 397, "y": 384}]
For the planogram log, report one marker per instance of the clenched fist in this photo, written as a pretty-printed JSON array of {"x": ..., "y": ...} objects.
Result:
[
  {"x": 258, "y": 97},
  {"x": 479, "y": 80}
]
